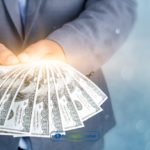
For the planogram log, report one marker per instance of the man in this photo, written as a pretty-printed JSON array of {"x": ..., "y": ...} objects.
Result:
[{"x": 85, "y": 33}]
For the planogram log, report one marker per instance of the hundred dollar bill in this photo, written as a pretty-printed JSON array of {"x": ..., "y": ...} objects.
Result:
[
  {"x": 70, "y": 116},
  {"x": 55, "y": 118},
  {"x": 85, "y": 105},
  {"x": 7, "y": 133},
  {"x": 14, "y": 134},
  {"x": 19, "y": 117},
  {"x": 93, "y": 90},
  {"x": 40, "y": 118},
  {"x": 4, "y": 70},
  {"x": 9, "y": 77},
  {"x": 10, "y": 133},
  {"x": 7, "y": 93}
]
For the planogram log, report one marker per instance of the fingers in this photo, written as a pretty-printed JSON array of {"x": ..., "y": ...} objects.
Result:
[
  {"x": 44, "y": 49},
  {"x": 7, "y": 57},
  {"x": 56, "y": 57},
  {"x": 34, "y": 52}
]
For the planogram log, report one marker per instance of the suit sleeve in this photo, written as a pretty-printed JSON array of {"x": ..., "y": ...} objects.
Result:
[{"x": 92, "y": 38}]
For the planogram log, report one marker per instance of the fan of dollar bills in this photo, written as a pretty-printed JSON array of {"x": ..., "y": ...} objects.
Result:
[{"x": 45, "y": 98}]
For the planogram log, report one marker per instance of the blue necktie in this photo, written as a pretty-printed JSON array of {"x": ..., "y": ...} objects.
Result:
[{"x": 22, "y": 9}]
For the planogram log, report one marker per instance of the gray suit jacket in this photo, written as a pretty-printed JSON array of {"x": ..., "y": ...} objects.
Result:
[{"x": 90, "y": 31}]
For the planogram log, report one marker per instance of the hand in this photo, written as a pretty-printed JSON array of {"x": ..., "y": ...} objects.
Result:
[
  {"x": 44, "y": 49},
  {"x": 7, "y": 57}
]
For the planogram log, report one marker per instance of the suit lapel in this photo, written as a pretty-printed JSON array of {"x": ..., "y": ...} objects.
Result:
[
  {"x": 13, "y": 11},
  {"x": 33, "y": 7}
]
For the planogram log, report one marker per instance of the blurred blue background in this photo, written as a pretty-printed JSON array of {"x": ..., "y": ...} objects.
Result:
[{"x": 128, "y": 78}]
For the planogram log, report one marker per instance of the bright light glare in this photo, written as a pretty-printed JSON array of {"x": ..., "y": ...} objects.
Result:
[{"x": 43, "y": 62}]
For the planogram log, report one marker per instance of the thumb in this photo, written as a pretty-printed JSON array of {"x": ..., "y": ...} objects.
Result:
[{"x": 7, "y": 57}]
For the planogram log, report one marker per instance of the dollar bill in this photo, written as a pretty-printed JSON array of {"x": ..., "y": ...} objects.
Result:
[
  {"x": 92, "y": 89},
  {"x": 40, "y": 118},
  {"x": 6, "y": 133},
  {"x": 14, "y": 134},
  {"x": 9, "y": 77},
  {"x": 55, "y": 119},
  {"x": 7, "y": 94},
  {"x": 70, "y": 116},
  {"x": 5, "y": 70},
  {"x": 46, "y": 99},
  {"x": 85, "y": 105},
  {"x": 19, "y": 117}
]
